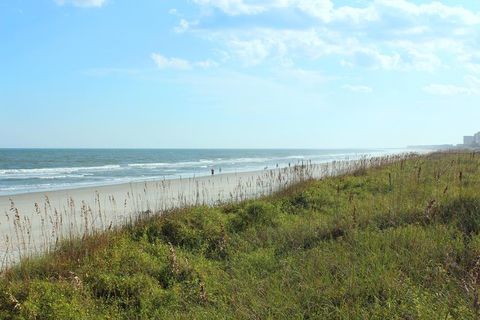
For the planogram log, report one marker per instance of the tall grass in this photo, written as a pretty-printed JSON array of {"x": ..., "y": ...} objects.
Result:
[
  {"x": 395, "y": 238},
  {"x": 43, "y": 228}
]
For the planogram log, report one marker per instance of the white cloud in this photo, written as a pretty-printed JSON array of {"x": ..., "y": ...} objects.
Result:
[
  {"x": 319, "y": 8},
  {"x": 326, "y": 11},
  {"x": 383, "y": 34},
  {"x": 473, "y": 83},
  {"x": 472, "y": 61},
  {"x": 417, "y": 56},
  {"x": 233, "y": 7},
  {"x": 309, "y": 79},
  {"x": 283, "y": 46},
  {"x": 82, "y": 3},
  {"x": 371, "y": 58},
  {"x": 445, "y": 90},
  {"x": 163, "y": 62},
  {"x": 471, "y": 87},
  {"x": 358, "y": 88},
  {"x": 355, "y": 15},
  {"x": 322, "y": 9},
  {"x": 435, "y": 9},
  {"x": 252, "y": 47},
  {"x": 414, "y": 30},
  {"x": 250, "y": 52},
  {"x": 206, "y": 64},
  {"x": 183, "y": 26}
]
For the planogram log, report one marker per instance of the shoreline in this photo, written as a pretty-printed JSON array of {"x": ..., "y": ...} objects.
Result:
[
  {"x": 126, "y": 187},
  {"x": 141, "y": 181},
  {"x": 80, "y": 175},
  {"x": 34, "y": 223}
]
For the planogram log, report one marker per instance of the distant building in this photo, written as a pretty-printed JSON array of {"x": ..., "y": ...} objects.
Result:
[
  {"x": 468, "y": 140},
  {"x": 472, "y": 141},
  {"x": 476, "y": 138}
]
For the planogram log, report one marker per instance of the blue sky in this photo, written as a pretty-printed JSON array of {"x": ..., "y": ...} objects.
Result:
[{"x": 238, "y": 73}]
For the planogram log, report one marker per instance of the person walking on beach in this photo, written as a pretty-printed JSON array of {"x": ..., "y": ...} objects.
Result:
[{"x": 213, "y": 171}]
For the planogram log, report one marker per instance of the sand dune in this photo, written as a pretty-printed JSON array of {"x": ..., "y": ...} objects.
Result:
[{"x": 33, "y": 223}]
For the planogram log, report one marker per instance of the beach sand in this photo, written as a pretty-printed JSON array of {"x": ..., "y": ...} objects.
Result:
[{"x": 35, "y": 222}]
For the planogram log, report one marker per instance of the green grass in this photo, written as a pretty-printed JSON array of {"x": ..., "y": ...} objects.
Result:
[{"x": 396, "y": 242}]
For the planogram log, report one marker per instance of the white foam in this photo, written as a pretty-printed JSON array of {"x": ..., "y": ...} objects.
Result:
[
  {"x": 57, "y": 170},
  {"x": 200, "y": 163}
]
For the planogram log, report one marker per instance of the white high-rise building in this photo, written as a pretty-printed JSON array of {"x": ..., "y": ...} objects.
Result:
[
  {"x": 468, "y": 140},
  {"x": 476, "y": 138}
]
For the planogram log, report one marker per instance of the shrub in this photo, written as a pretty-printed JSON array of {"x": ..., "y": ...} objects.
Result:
[
  {"x": 54, "y": 300},
  {"x": 464, "y": 212},
  {"x": 255, "y": 213}
]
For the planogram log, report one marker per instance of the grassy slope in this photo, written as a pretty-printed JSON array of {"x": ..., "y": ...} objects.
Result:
[{"x": 400, "y": 242}]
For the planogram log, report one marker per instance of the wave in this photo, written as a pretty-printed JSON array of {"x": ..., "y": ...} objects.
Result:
[
  {"x": 148, "y": 165},
  {"x": 39, "y": 179},
  {"x": 80, "y": 172},
  {"x": 40, "y": 187},
  {"x": 46, "y": 177},
  {"x": 200, "y": 163},
  {"x": 60, "y": 170},
  {"x": 132, "y": 170}
]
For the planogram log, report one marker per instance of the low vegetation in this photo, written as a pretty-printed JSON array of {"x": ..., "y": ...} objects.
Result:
[{"x": 399, "y": 241}]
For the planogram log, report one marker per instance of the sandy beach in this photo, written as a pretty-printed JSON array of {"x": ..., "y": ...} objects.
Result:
[{"x": 34, "y": 222}]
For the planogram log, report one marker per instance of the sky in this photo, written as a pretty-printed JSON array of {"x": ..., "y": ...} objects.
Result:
[{"x": 238, "y": 73}]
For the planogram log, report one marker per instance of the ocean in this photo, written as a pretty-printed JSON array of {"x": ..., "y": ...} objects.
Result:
[{"x": 32, "y": 170}]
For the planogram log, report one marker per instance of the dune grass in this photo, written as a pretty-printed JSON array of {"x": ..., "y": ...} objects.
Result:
[{"x": 395, "y": 242}]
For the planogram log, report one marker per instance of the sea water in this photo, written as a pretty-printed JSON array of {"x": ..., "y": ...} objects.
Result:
[{"x": 31, "y": 170}]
